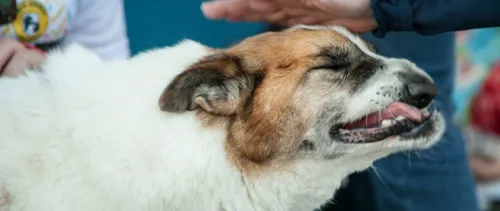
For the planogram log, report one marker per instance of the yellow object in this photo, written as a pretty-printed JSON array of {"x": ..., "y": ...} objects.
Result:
[{"x": 31, "y": 21}]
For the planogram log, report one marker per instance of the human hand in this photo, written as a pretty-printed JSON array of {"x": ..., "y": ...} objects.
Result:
[
  {"x": 355, "y": 15},
  {"x": 15, "y": 58},
  {"x": 485, "y": 169}
]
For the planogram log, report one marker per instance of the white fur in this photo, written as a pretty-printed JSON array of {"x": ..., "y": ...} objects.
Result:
[
  {"x": 385, "y": 78},
  {"x": 88, "y": 135}
]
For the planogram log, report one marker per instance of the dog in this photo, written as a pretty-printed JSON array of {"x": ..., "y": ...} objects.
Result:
[{"x": 275, "y": 122}]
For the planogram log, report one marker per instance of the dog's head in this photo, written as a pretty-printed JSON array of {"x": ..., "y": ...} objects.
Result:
[{"x": 316, "y": 93}]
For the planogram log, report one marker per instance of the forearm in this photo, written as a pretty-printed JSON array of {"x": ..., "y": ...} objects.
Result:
[{"x": 428, "y": 17}]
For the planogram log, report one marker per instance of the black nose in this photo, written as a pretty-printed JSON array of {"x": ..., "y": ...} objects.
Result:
[{"x": 420, "y": 91}]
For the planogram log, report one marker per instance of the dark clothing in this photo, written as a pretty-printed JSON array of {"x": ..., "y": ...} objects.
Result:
[
  {"x": 438, "y": 178},
  {"x": 428, "y": 17}
]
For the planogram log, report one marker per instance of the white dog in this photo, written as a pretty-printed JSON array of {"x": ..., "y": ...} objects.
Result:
[{"x": 272, "y": 123}]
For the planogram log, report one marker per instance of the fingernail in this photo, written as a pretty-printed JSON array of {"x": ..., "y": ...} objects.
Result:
[
  {"x": 210, "y": 10},
  {"x": 205, "y": 9}
]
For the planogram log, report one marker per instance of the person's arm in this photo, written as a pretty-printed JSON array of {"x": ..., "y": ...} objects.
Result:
[
  {"x": 428, "y": 17},
  {"x": 100, "y": 26}
]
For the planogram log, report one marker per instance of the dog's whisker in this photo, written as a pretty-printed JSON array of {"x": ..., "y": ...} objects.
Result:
[
  {"x": 392, "y": 115},
  {"x": 418, "y": 154},
  {"x": 366, "y": 120},
  {"x": 375, "y": 170},
  {"x": 409, "y": 161},
  {"x": 380, "y": 115},
  {"x": 266, "y": 131}
]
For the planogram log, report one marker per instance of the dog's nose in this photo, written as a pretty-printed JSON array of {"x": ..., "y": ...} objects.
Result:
[{"x": 420, "y": 91}]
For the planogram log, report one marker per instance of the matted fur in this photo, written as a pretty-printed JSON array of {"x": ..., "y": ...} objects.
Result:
[{"x": 194, "y": 128}]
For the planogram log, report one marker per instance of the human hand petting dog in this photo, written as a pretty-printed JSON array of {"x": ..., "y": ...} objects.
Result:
[
  {"x": 355, "y": 15},
  {"x": 15, "y": 58}
]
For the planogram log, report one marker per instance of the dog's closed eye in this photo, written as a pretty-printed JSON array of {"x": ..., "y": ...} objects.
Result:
[
  {"x": 334, "y": 67},
  {"x": 335, "y": 59}
]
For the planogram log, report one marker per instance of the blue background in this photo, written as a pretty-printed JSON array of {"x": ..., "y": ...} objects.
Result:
[{"x": 155, "y": 23}]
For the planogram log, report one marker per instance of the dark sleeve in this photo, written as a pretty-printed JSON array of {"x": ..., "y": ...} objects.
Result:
[{"x": 428, "y": 17}]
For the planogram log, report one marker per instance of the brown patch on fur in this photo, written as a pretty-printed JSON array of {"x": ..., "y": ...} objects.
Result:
[{"x": 263, "y": 123}]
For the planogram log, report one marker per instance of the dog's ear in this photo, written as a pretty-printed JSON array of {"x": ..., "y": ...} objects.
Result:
[{"x": 218, "y": 84}]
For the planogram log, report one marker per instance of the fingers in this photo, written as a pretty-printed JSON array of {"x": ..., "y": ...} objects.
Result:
[
  {"x": 260, "y": 10},
  {"x": 214, "y": 10},
  {"x": 332, "y": 6},
  {"x": 293, "y": 12},
  {"x": 240, "y": 10},
  {"x": 262, "y": 6},
  {"x": 225, "y": 9},
  {"x": 15, "y": 66},
  {"x": 34, "y": 58},
  {"x": 303, "y": 20},
  {"x": 304, "y": 17},
  {"x": 21, "y": 61},
  {"x": 276, "y": 17},
  {"x": 8, "y": 48}
]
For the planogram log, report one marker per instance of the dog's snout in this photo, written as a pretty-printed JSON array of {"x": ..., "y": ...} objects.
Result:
[{"x": 420, "y": 91}]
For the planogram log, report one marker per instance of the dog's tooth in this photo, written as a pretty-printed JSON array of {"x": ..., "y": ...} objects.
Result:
[
  {"x": 399, "y": 118},
  {"x": 425, "y": 113},
  {"x": 386, "y": 122}
]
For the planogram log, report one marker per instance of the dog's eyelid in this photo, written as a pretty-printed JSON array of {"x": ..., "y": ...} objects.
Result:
[
  {"x": 335, "y": 54},
  {"x": 336, "y": 58},
  {"x": 333, "y": 66}
]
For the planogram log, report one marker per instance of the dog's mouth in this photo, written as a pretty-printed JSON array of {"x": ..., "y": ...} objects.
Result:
[{"x": 397, "y": 119}]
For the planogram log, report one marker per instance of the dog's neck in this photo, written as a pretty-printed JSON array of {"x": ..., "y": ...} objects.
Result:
[
  {"x": 309, "y": 185},
  {"x": 302, "y": 185},
  {"x": 305, "y": 185}
]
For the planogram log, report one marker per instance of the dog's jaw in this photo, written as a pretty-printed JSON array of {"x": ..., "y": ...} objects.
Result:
[
  {"x": 123, "y": 153},
  {"x": 137, "y": 163},
  {"x": 307, "y": 185}
]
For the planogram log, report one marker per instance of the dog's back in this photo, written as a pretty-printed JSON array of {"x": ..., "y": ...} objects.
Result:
[
  {"x": 257, "y": 126},
  {"x": 87, "y": 126}
]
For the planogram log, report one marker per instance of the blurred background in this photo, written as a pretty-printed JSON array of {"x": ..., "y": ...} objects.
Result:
[{"x": 148, "y": 28}]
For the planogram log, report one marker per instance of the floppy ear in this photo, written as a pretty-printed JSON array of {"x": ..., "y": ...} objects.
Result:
[{"x": 218, "y": 84}]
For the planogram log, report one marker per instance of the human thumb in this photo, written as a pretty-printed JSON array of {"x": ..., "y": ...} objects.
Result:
[{"x": 213, "y": 9}]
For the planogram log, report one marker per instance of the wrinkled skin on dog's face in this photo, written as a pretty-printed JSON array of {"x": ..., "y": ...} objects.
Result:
[{"x": 308, "y": 93}]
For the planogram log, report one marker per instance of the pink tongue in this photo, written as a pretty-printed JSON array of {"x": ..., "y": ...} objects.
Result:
[{"x": 390, "y": 112}]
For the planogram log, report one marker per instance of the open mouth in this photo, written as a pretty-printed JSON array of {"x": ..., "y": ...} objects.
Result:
[{"x": 397, "y": 119}]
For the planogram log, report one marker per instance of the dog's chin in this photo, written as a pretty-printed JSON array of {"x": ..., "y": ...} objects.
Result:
[{"x": 423, "y": 132}]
